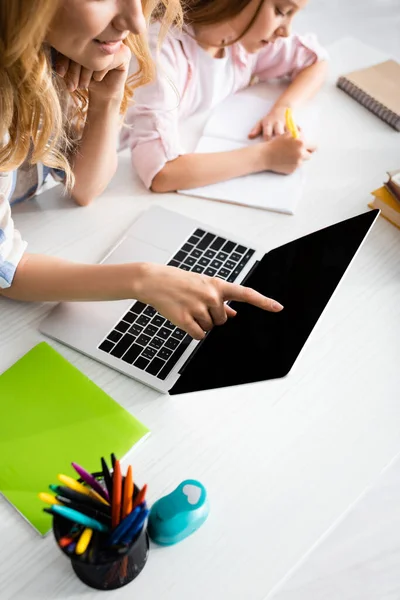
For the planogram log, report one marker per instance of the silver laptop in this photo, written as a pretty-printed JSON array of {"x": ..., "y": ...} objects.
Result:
[{"x": 256, "y": 345}]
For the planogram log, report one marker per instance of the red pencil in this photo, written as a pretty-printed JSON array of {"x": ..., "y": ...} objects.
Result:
[
  {"x": 140, "y": 497},
  {"x": 116, "y": 495}
]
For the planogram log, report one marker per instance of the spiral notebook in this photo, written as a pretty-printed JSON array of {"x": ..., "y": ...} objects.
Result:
[
  {"x": 52, "y": 414},
  {"x": 378, "y": 89}
]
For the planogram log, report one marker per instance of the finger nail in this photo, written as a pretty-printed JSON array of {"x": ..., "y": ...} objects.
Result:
[
  {"x": 70, "y": 86},
  {"x": 277, "y": 305},
  {"x": 60, "y": 69}
]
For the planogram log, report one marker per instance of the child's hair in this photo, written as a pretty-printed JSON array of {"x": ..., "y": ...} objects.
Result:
[
  {"x": 31, "y": 113},
  {"x": 213, "y": 12}
]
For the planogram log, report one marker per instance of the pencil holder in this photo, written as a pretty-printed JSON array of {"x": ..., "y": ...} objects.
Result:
[{"x": 102, "y": 567}]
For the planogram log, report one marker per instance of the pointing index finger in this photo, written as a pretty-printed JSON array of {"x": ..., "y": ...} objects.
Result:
[{"x": 233, "y": 291}]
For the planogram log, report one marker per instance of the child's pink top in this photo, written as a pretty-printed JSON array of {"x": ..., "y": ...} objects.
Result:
[{"x": 184, "y": 70}]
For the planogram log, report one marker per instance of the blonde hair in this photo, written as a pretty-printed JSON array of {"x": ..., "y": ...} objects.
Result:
[{"x": 32, "y": 119}]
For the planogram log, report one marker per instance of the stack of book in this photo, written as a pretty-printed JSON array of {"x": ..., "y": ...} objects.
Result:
[{"x": 387, "y": 198}]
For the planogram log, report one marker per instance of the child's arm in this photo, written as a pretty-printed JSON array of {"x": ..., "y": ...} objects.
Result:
[
  {"x": 304, "y": 61},
  {"x": 95, "y": 160},
  {"x": 281, "y": 155}
]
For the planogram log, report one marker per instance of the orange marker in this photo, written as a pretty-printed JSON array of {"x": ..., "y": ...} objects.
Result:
[
  {"x": 128, "y": 493},
  {"x": 116, "y": 495},
  {"x": 140, "y": 497}
]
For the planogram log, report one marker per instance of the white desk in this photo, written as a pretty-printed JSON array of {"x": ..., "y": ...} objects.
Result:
[{"x": 281, "y": 459}]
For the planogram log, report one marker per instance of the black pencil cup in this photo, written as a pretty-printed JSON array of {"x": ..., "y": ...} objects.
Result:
[{"x": 101, "y": 567}]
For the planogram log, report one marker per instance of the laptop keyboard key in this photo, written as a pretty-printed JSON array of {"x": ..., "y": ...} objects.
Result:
[
  {"x": 164, "y": 353},
  {"x": 157, "y": 321},
  {"x": 190, "y": 261},
  {"x": 224, "y": 273},
  {"x": 171, "y": 362},
  {"x": 193, "y": 240},
  {"x": 197, "y": 269},
  {"x": 222, "y": 256},
  {"x": 240, "y": 249},
  {"x": 180, "y": 256},
  {"x": 149, "y": 352},
  {"x": 196, "y": 253},
  {"x": 235, "y": 256},
  {"x": 199, "y": 233},
  {"x": 150, "y": 311},
  {"x": 132, "y": 353},
  {"x": 179, "y": 334},
  {"x": 122, "y": 326},
  {"x": 174, "y": 263},
  {"x": 204, "y": 262},
  {"x": 106, "y": 346},
  {"x": 218, "y": 243},
  {"x": 229, "y": 246},
  {"x": 187, "y": 247},
  {"x": 138, "y": 307},
  {"x": 206, "y": 241},
  {"x": 216, "y": 264},
  {"x": 114, "y": 336},
  {"x": 210, "y": 272},
  {"x": 185, "y": 267},
  {"x": 169, "y": 325},
  {"x": 171, "y": 343},
  {"x": 155, "y": 366},
  {"x": 135, "y": 330},
  {"x": 143, "y": 340},
  {"x": 156, "y": 343},
  {"x": 142, "y": 320},
  {"x": 122, "y": 346},
  {"x": 142, "y": 363},
  {"x": 130, "y": 317},
  {"x": 229, "y": 265},
  {"x": 150, "y": 330},
  {"x": 164, "y": 333},
  {"x": 209, "y": 254}
]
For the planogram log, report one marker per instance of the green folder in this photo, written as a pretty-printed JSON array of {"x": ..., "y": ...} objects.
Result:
[{"x": 50, "y": 415}]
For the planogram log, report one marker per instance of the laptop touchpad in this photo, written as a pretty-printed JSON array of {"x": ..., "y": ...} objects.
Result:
[{"x": 133, "y": 250}]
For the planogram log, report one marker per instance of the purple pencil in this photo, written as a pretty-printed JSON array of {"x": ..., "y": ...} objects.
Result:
[{"x": 90, "y": 480}]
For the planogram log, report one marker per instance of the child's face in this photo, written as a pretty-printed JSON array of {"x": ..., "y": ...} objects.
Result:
[
  {"x": 90, "y": 32},
  {"x": 273, "y": 20}
]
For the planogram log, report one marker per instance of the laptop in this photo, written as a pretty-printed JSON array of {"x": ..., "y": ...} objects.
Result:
[{"x": 254, "y": 346}]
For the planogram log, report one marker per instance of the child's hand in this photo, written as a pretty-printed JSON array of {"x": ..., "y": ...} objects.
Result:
[
  {"x": 194, "y": 302},
  {"x": 103, "y": 85},
  {"x": 271, "y": 125},
  {"x": 284, "y": 154}
]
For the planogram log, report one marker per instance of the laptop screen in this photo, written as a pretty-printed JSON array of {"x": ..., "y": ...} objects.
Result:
[{"x": 257, "y": 345}]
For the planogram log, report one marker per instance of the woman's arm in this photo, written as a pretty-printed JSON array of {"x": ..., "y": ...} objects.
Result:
[
  {"x": 193, "y": 302},
  {"x": 95, "y": 160}
]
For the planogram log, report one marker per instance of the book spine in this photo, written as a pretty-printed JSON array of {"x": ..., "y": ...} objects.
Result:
[{"x": 379, "y": 109}]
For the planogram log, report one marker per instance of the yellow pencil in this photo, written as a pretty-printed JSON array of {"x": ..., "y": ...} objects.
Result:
[
  {"x": 48, "y": 498},
  {"x": 84, "y": 541},
  {"x": 290, "y": 124},
  {"x": 78, "y": 487}
]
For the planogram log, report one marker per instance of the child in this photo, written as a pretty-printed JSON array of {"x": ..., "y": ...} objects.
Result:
[
  {"x": 224, "y": 44},
  {"x": 93, "y": 41}
]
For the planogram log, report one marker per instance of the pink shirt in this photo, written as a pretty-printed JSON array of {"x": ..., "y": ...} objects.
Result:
[{"x": 177, "y": 91}]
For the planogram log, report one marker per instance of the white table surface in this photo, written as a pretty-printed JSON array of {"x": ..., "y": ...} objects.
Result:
[{"x": 281, "y": 459}]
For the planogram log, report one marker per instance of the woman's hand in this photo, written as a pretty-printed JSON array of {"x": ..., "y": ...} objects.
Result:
[
  {"x": 282, "y": 154},
  {"x": 271, "y": 125},
  {"x": 106, "y": 85},
  {"x": 194, "y": 302}
]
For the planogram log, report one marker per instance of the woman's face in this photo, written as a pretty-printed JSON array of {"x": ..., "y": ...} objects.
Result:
[{"x": 90, "y": 32}]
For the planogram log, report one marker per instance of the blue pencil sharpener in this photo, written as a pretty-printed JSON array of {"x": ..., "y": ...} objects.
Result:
[{"x": 175, "y": 516}]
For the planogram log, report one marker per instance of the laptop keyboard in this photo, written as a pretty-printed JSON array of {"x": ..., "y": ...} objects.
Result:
[{"x": 146, "y": 339}]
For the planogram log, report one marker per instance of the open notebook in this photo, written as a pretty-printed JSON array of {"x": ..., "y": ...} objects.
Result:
[
  {"x": 227, "y": 129},
  {"x": 52, "y": 414}
]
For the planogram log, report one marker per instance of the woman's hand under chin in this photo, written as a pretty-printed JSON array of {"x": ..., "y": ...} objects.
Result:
[{"x": 104, "y": 86}]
